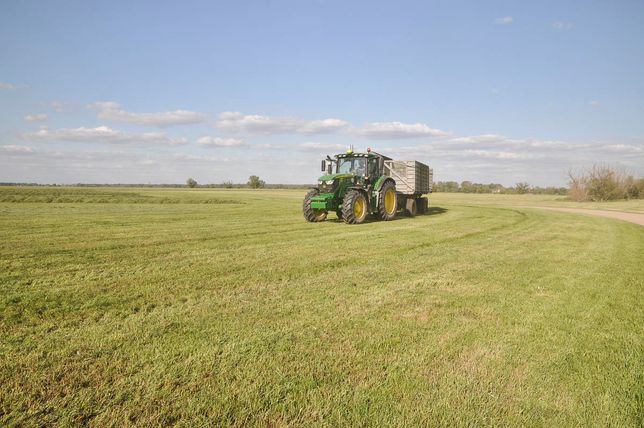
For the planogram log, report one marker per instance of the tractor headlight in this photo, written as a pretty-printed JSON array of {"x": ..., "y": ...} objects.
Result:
[{"x": 326, "y": 186}]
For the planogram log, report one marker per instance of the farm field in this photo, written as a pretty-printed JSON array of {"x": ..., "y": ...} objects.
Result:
[{"x": 213, "y": 306}]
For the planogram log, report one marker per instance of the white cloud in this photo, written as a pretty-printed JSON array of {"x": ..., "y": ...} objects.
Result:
[
  {"x": 622, "y": 148},
  {"x": 486, "y": 138},
  {"x": 100, "y": 134},
  {"x": 4, "y": 85},
  {"x": 393, "y": 130},
  {"x": 57, "y": 106},
  {"x": 256, "y": 124},
  {"x": 499, "y": 154},
  {"x": 109, "y": 110},
  {"x": 560, "y": 25},
  {"x": 208, "y": 141},
  {"x": 267, "y": 146},
  {"x": 12, "y": 148},
  {"x": 594, "y": 103},
  {"x": 504, "y": 20},
  {"x": 35, "y": 117},
  {"x": 313, "y": 146}
]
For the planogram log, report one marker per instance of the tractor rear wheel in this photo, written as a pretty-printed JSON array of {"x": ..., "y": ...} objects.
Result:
[
  {"x": 387, "y": 201},
  {"x": 310, "y": 214},
  {"x": 355, "y": 207}
]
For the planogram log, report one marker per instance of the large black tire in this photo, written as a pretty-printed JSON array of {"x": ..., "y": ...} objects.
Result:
[
  {"x": 411, "y": 208},
  {"x": 387, "y": 201},
  {"x": 355, "y": 207},
  {"x": 422, "y": 205},
  {"x": 311, "y": 214}
]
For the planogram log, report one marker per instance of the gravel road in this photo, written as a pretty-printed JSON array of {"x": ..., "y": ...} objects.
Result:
[{"x": 619, "y": 215}]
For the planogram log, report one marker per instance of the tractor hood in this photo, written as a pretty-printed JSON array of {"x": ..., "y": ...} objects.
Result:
[{"x": 328, "y": 177}]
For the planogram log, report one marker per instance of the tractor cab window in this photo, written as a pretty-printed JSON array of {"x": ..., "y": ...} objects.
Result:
[
  {"x": 352, "y": 166},
  {"x": 373, "y": 167}
]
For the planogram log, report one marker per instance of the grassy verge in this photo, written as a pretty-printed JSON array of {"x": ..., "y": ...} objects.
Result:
[{"x": 234, "y": 314}]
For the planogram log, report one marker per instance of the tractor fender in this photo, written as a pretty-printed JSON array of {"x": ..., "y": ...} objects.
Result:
[
  {"x": 360, "y": 189},
  {"x": 381, "y": 181}
]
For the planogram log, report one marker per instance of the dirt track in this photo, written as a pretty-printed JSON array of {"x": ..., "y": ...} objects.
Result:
[{"x": 619, "y": 215}]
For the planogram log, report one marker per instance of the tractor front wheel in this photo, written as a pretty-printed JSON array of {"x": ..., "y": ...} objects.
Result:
[
  {"x": 387, "y": 201},
  {"x": 310, "y": 214},
  {"x": 355, "y": 207}
]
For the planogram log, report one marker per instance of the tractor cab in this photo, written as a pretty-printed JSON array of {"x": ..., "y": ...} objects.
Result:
[{"x": 363, "y": 165}]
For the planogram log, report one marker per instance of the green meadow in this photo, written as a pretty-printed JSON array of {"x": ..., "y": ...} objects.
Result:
[{"x": 224, "y": 307}]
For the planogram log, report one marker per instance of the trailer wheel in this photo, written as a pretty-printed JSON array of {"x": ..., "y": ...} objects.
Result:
[
  {"x": 354, "y": 207},
  {"x": 387, "y": 201},
  {"x": 411, "y": 207},
  {"x": 338, "y": 212},
  {"x": 310, "y": 214},
  {"x": 422, "y": 204}
]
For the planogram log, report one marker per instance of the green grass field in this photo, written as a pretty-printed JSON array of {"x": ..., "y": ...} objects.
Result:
[{"x": 152, "y": 307}]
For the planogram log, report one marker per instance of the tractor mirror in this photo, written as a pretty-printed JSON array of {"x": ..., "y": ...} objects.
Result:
[{"x": 323, "y": 165}]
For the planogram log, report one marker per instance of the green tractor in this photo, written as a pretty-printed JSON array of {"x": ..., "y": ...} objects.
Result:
[{"x": 358, "y": 184}]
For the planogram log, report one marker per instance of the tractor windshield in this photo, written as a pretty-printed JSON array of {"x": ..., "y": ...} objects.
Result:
[{"x": 352, "y": 166}]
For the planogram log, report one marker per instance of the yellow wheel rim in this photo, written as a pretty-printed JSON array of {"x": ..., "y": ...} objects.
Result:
[
  {"x": 359, "y": 207},
  {"x": 390, "y": 201}
]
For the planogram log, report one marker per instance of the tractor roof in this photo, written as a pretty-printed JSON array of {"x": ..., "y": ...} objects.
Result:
[{"x": 361, "y": 155}]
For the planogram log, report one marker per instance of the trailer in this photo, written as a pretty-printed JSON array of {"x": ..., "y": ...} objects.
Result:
[{"x": 413, "y": 180}]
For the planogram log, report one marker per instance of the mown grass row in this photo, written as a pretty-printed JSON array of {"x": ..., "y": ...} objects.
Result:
[
  {"x": 68, "y": 195},
  {"x": 143, "y": 314}
]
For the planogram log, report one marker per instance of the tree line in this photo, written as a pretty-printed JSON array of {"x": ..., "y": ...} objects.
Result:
[{"x": 519, "y": 188}]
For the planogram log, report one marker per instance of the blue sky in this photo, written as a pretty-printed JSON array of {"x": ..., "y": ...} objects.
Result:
[{"x": 153, "y": 92}]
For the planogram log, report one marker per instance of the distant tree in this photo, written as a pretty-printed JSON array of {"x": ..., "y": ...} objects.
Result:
[
  {"x": 191, "y": 182},
  {"x": 522, "y": 188},
  {"x": 446, "y": 186},
  {"x": 228, "y": 184},
  {"x": 254, "y": 182}
]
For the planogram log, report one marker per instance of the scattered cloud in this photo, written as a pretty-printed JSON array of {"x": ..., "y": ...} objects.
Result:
[
  {"x": 13, "y": 148},
  {"x": 101, "y": 134},
  {"x": 560, "y": 25},
  {"x": 4, "y": 85},
  {"x": 393, "y": 130},
  {"x": 622, "y": 148},
  {"x": 109, "y": 110},
  {"x": 57, "y": 106},
  {"x": 504, "y": 20},
  {"x": 313, "y": 146},
  {"x": 494, "y": 157},
  {"x": 208, "y": 141},
  {"x": 35, "y": 117},
  {"x": 256, "y": 124},
  {"x": 486, "y": 138},
  {"x": 594, "y": 103}
]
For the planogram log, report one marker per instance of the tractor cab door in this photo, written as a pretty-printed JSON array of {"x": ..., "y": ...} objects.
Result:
[{"x": 372, "y": 169}]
